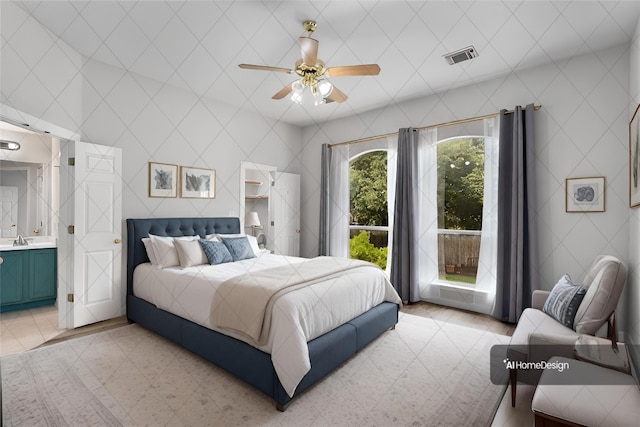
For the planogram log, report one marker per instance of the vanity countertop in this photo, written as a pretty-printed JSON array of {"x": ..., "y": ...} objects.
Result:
[{"x": 35, "y": 242}]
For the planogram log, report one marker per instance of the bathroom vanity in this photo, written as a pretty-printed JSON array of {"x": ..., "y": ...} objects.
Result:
[{"x": 28, "y": 274}]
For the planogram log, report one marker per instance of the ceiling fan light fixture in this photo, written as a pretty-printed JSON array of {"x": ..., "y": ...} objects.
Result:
[
  {"x": 311, "y": 69},
  {"x": 325, "y": 88},
  {"x": 318, "y": 99},
  {"x": 297, "y": 89}
]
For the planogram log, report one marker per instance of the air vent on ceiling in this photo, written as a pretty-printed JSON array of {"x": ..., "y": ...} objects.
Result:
[{"x": 461, "y": 55}]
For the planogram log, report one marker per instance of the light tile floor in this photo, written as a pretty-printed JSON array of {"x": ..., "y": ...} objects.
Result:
[{"x": 26, "y": 329}]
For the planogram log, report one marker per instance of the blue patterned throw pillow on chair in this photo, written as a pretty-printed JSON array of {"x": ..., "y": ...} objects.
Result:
[
  {"x": 563, "y": 301},
  {"x": 239, "y": 247},
  {"x": 216, "y": 252}
]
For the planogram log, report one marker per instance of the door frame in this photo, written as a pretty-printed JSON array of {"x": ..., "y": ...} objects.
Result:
[
  {"x": 266, "y": 169},
  {"x": 27, "y": 121}
]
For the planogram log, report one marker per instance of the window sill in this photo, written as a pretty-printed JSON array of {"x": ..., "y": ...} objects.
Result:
[
  {"x": 459, "y": 296},
  {"x": 461, "y": 286}
]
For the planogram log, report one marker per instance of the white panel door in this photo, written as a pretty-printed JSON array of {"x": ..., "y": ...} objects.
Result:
[
  {"x": 97, "y": 219},
  {"x": 285, "y": 213},
  {"x": 9, "y": 210}
]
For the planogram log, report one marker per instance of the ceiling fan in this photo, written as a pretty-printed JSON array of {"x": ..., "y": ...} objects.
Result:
[{"x": 312, "y": 70}]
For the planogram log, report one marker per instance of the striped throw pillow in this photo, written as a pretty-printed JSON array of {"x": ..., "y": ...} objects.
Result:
[{"x": 564, "y": 300}]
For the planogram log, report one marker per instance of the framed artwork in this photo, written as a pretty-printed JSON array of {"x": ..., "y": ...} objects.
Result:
[
  {"x": 163, "y": 180},
  {"x": 634, "y": 161},
  {"x": 585, "y": 194},
  {"x": 197, "y": 183}
]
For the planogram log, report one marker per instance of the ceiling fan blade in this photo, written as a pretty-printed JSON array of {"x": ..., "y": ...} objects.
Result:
[
  {"x": 309, "y": 48},
  {"x": 353, "y": 70},
  {"x": 284, "y": 92},
  {"x": 336, "y": 95},
  {"x": 265, "y": 68}
]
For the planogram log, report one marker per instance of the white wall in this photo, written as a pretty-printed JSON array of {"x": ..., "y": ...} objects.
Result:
[
  {"x": 149, "y": 120},
  {"x": 34, "y": 147},
  {"x": 581, "y": 130},
  {"x": 631, "y": 296}
]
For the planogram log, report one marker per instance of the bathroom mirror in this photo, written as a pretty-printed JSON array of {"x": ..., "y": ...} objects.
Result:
[
  {"x": 27, "y": 182},
  {"x": 18, "y": 197}
]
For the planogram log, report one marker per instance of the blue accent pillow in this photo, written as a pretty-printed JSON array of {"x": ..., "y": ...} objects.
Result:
[
  {"x": 239, "y": 247},
  {"x": 216, "y": 252},
  {"x": 563, "y": 301}
]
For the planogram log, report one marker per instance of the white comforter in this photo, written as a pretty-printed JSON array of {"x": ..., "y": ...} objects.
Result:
[{"x": 297, "y": 318}]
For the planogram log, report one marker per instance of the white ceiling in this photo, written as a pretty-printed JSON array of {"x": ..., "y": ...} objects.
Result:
[{"x": 197, "y": 45}]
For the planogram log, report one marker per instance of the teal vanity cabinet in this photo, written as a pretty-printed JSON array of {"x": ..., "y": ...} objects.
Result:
[{"x": 28, "y": 278}]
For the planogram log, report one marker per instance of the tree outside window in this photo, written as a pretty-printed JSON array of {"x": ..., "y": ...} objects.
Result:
[
  {"x": 460, "y": 198},
  {"x": 460, "y": 194},
  {"x": 369, "y": 220}
]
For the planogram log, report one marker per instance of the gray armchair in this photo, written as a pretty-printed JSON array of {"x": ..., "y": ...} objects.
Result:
[{"x": 538, "y": 336}]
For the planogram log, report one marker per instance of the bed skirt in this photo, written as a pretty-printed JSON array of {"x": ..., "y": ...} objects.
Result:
[{"x": 253, "y": 366}]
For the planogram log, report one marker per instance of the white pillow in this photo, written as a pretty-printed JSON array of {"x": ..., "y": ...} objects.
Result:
[
  {"x": 165, "y": 249},
  {"x": 253, "y": 240},
  {"x": 150, "y": 253},
  {"x": 190, "y": 253}
]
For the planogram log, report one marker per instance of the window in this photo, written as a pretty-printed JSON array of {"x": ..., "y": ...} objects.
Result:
[
  {"x": 458, "y": 170},
  {"x": 460, "y": 202},
  {"x": 368, "y": 207}
]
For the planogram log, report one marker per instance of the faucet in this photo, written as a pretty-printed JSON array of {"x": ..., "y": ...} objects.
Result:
[{"x": 20, "y": 241}]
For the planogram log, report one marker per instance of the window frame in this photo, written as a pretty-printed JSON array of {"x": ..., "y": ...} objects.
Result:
[
  {"x": 389, "y": 146},
  {"x": 478, "y": 297}
]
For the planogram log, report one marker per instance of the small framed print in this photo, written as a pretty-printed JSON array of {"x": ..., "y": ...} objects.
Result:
[
  {"x": 163, "y": 180},
  {"x": 197, "y": 183},
  {"x": 634, "y": 159},
  {"x": 585, "y": 194}
]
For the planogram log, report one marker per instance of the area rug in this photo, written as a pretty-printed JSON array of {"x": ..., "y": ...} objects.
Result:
[{"x": 423, "y": 373}]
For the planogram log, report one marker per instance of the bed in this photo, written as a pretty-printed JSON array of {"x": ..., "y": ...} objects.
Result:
[{"x": 234, "y": 352}]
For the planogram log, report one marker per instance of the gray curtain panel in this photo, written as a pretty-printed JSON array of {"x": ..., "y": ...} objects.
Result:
[
  {"x": 324, "y": 199},
  {"x": 517, "y": 272},
  {"x": 404, "y": 256}
]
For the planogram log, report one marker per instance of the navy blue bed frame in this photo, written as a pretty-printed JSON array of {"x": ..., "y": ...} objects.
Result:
[{"x": 326, "y": 352}]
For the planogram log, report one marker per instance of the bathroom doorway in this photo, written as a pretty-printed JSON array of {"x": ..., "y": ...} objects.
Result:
[
  {"x": 89, "y": 280},
  {"x": 29, "y": 201}
]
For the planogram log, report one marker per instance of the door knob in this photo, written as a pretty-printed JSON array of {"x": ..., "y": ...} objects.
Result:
[
  {"x": 117, "y": 241},
  {"x": 297, "y": 230}
]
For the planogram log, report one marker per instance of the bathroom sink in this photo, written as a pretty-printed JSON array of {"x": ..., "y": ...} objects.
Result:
[{"x": 35, "y": 242}]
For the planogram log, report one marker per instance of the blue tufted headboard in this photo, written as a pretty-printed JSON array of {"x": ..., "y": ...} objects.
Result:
[{"x": 137, "y": 228}]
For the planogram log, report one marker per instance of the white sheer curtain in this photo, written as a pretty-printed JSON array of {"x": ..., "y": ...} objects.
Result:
[
  {"x": 427, "y": 220},
  {"x": 391, "y": 144},
  {"x": 338, "y": 223},
  {"x": 338, "y": 193},
  {"x": 488, "y": 260}
]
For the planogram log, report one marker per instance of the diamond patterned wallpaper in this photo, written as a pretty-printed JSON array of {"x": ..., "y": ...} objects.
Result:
[
  {"x": 150, "y": 121},
  {"x": 581, "y": 131},
  {"x": 581, "y": 128}
]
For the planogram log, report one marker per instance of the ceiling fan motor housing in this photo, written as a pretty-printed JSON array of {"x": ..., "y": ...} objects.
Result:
[{"x": 310, "y": 73}]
